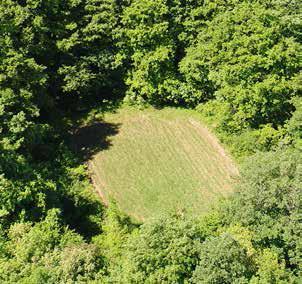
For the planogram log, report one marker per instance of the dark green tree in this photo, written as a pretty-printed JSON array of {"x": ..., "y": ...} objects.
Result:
[
  {"x": 269, "y": 202},
  {"x": 223, "y": 260},
  {"x": 246, "y": 58},
  {"x": 165, "y": 251},
  {"x": 47, "y": 252},
  {"x": 151, "y": 46}
]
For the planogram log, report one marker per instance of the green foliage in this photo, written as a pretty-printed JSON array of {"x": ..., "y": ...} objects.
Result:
[
  {"x": 29, "y": 190},
  {"x": 149, "y": 44},
  {"x": 269, "y": 202},
  {"x": 294, "y": 125},
  {"x": 247, "y": 59},
  {"x": 47, "y": 252},
  {"x": 223, "y": 260},
  {"x": 250, "y": 141},
  {"x": 240, "y": 58},
  {"x": 63, "y": 46},
  {"x": 146, "y": 43},
  {"x": 165, "y": 251},
  {"x": 116, "y": 228},
  {"x": 38, "y": 172},
  {"x": 270, "y": 269},
  {"x": 86, "y": 46}
]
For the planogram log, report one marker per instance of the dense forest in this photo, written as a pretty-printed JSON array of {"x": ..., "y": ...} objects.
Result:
[{"x": 237, "y": 62}]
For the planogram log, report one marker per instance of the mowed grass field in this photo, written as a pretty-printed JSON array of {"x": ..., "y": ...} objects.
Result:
[{"x": 160, "y": 160}]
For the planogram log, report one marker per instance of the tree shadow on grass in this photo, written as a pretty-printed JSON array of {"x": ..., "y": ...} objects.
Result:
[
  {"x": 86, "y": 141},
  {"x": 83, "y": 213},
  {"x": 91, "y": 139}
]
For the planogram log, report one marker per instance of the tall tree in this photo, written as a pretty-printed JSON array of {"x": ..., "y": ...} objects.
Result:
[{"x": 247, "y": 59}]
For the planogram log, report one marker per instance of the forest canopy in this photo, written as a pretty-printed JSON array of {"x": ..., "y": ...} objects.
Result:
[{"x": 237, "y": 63}]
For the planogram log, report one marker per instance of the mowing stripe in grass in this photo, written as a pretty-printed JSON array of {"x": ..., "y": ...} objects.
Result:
[{"x": 162, "y": 160}]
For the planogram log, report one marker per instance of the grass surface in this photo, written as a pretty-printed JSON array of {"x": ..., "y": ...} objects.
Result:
[{"x": 152, "y": 161}]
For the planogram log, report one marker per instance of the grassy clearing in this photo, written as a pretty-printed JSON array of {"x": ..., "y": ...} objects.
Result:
[{"x": 160, "y": 160}]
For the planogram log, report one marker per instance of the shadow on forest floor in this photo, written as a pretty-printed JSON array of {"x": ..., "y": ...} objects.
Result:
[{"x": 90, "y": 139}]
